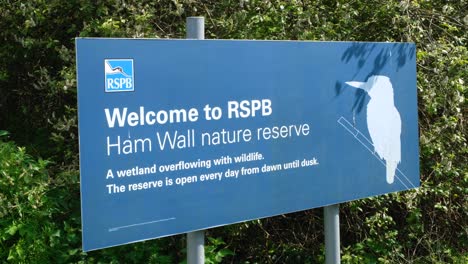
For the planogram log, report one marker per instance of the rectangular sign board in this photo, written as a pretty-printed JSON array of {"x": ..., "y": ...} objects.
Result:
[{"x": 184, "y": 135}]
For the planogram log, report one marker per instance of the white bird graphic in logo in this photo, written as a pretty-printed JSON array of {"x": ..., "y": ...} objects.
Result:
[
  {"x": 383, "y": 121},
  {"x": 116, "y": 70}
]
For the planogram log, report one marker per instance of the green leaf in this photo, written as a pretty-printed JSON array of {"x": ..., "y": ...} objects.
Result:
[
  {"x": 12, "y": 230},
  {"x": 4, "y": 133}
]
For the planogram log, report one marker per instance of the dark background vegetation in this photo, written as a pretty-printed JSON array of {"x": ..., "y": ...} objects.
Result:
[{"x": 39, "y": 178}]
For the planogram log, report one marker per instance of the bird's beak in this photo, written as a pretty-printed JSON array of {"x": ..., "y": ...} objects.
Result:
[{"x": 360, "y": 85}]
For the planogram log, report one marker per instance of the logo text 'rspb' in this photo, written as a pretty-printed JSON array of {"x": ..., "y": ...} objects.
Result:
[{"x": 119, "y": 75}]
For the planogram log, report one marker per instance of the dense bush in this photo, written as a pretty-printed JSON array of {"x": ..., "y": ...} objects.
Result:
[
  {"x": 39, "y": 198},
  {"x": 39, "y": 221}
]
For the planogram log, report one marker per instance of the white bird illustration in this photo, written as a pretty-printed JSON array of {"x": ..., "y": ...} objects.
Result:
[
  {"x": 116, "y": 70},
  {"x": 383, "y": 121}
]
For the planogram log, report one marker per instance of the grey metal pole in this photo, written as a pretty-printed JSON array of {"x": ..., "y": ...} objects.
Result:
[
  {"x": 196, "y": 240},
  {"x": 332, "y": 234},
  {"x": 195, "y": 27},
  {"x": 196, "y": 247}
]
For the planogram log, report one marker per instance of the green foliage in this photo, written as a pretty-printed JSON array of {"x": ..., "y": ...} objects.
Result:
[
  {"x": 39, "y": 198},
  {"x": 216, "y": 251},
  {"x": 23, "y": 204}
]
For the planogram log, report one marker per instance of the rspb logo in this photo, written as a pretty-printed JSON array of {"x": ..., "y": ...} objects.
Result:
[{"x": 119, "y": 75}]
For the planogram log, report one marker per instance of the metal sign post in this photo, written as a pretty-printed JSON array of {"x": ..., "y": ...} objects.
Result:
[
  {"x": 195, "y": 28},
  {"x": 196, "y": 240},
  {"x": 332, "y": 233}
]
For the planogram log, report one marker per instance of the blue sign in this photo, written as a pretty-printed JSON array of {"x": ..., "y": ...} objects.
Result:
[{"x": 220, "y": 132}]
